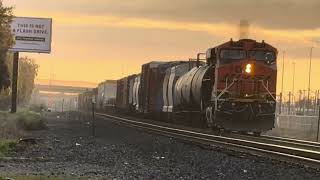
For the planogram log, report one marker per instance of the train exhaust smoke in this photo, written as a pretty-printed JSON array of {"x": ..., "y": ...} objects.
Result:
[{"x": 244, "y": 28}]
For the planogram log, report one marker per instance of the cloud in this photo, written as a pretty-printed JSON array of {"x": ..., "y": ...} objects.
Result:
[
  {"x": 291, "y": 38},
  {"x": 100, "y": 29},
  {"x": 284, "y": 22},
  {"x": 272, "y": 14},
  {"x": 111, "y": 38}
]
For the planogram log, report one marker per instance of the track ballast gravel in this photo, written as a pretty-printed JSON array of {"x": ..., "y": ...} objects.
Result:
[{"x": 67, "y": 149}]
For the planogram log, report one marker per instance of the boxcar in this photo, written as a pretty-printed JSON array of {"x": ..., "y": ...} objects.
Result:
[{"x": 106, "y": 95}]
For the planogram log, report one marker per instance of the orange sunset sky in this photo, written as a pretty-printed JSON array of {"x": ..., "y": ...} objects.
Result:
[{"x": 94, "y": 40}]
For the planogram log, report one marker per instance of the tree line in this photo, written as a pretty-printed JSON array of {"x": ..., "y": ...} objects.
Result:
[{"x": 28, "y": 69}]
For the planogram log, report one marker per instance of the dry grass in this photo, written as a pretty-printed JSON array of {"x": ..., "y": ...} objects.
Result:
[
  {"x": 9, "y": 133},
  {"x": 14, "y": 126},
  {"x": 6, "y": 146},
  {"x": 8, "y": 126},
  {"x": 29, "y": 120},
  {"x": 37, "y": 178}
]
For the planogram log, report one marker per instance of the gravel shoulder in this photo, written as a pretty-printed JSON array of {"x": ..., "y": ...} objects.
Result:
[{"x": 67, "y": 149}]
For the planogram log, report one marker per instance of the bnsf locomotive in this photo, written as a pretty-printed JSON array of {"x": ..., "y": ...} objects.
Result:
[{"x": 233, "y": 88}]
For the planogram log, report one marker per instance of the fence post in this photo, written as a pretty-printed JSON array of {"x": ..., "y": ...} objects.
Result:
[
  {"x": 280, "y": 103},
  {"x": 93, "y": 123},
  {"x": 93, "y": 117}
]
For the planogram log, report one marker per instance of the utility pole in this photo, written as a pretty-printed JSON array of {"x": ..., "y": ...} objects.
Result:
[
  {"x": 308, "y": 102},
  {"x": 293, "y": 78},
  {"x": 62, "y": 105},
  {"x": 300, "y": 103},
  {"x": 281, "y": 94},
  {"x": 289, "y": 104},
  {"x": 304, "y": 102},
  {"x": 318, "y": 125},
  {"x": 315, "y": 103},
  {"x": 318, "y": 99}
]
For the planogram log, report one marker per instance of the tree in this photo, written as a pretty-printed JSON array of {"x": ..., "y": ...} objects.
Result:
[
  {"x": 28, "y": 70},
  {"x": 6, "y": 41}
]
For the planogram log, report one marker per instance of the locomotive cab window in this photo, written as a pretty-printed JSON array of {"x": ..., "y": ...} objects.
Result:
[
  {"x": 232, "y": 54},
  {"x": 267, "y": 56}
]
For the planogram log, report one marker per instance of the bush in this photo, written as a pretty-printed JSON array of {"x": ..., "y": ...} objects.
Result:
[
  {"x": 37, "y": 108},
  {"x": 30, "y": 121},
  {"x": 6, "y": 146}
]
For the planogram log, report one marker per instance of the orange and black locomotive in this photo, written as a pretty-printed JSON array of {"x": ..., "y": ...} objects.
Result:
[{"x": 244, "y": 95}]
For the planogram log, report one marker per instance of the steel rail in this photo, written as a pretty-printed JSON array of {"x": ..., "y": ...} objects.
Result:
[
  {"x": 313, "y": 143},
  {"x": 293, "y": 154},
  {"x": 280, "y": 141}
]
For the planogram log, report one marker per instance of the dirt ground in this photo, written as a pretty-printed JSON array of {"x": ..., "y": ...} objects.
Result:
[{"x": 67, "y": 149}]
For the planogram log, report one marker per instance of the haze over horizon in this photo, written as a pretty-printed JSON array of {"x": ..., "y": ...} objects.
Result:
[{"x": 97, "y": 40}]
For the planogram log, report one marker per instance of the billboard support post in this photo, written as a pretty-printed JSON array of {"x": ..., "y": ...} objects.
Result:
[{"x": 15, "y": 72}]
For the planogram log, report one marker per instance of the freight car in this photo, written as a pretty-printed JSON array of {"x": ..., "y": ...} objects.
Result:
[
  {"x": 85, "y": 99},
  {"x": 153, "y": 76},
  {"x": 233, "y": 89},
  {"x": 125, "y": 94},
  {"x": 106, "y": 96}
]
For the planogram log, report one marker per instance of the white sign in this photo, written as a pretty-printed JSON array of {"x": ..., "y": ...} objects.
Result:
[{"x": 32, "y": 34}]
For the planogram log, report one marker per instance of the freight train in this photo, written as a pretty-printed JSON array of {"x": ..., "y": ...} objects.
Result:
[{"x": 232, "y": 89}]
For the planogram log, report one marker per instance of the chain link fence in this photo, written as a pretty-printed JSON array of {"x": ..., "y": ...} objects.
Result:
[{"x": 298, "y": 115}]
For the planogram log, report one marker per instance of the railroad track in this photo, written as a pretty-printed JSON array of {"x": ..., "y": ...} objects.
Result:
[
  {"x": 290, "y": 150},
  {"x": 295, "y": 143}
]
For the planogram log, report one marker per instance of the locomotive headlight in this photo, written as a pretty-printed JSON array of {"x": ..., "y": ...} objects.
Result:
[{"x": 248, "y": 68}]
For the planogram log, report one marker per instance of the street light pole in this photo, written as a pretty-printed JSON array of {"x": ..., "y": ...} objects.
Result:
[
  {"x": 281, "y": 94},
  {"x": 308, "y": 102},
  {"x": 318, "y": 125}
]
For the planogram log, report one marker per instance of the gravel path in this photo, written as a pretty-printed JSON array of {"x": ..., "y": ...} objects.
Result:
[{"x": 126, "y": 153}]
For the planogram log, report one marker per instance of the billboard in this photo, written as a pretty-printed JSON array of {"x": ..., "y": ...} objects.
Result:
[{"x": 32, "y": 34}]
